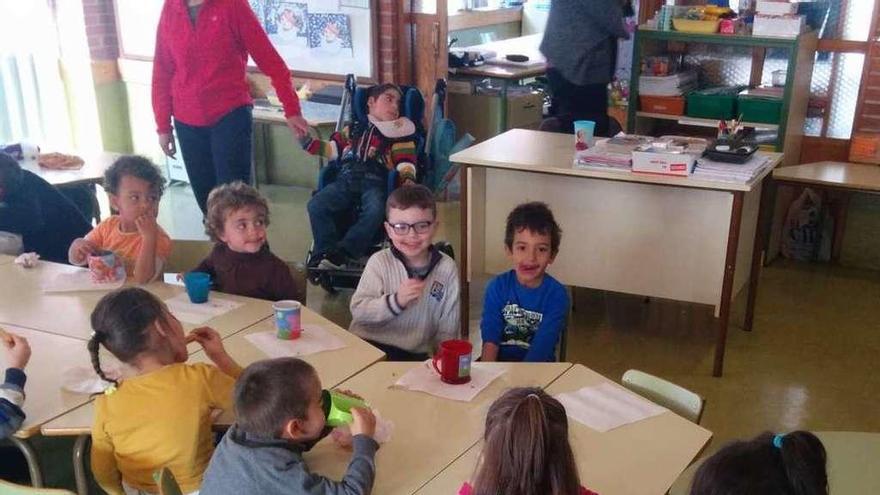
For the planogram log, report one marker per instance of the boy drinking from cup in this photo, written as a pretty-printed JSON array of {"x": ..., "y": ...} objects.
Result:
[
  {"x": 524, "y": 309},
  {"x": 241, "y": 262},
  {"x": 134, "y": 186},
  {"x": 280, "y": 413},
  {"x": 407, "y": 299}
]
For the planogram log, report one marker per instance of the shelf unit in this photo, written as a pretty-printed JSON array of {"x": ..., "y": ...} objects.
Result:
[{"x": 801, "y": 54}]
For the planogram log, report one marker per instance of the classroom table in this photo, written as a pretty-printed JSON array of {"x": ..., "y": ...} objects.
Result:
[
  {"x": 851, "y": 462},
  {"x": 506, "y": 73},
  {"x": 6, "y": 259},
  {"x": 661, "y": 236},
  {"x": 841, "y": 177},
  {"x": 22, "y": 302},
  {"x": 429, "y": 432},
  {"x": 91, "y": 173},
  {"x": 333, "y": 368},
  {"x": 658, "y": 449}
]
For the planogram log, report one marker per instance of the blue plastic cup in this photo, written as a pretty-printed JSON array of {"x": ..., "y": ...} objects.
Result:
[
  {"x": 198, "y": 285},
  {"x": 583, "y": 134}
]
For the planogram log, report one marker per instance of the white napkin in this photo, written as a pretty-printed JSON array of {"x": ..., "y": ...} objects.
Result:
[
  {"x": 384, "y": 428},
  {"x": 197, "y": 314},
  {"x": 314, "y": 339},
  {"x": 84, "y": 380},
  {"x": 607, "y": 406},
  {"x": 424, "y": 378},
  {"x": 27, "y": 260},
  {"x": 78, "y": 280}
]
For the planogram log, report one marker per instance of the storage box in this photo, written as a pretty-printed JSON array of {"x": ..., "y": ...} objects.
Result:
[
  {"x": 776, "y": 8},
  {"x": 694, "y": 26},
  {"x": 666, "y": 163},
  {"x": 667, "y": 105},
  {"x": 716, "y": 103},
  {"x": 783, "y": 26},
  {"x": 759, "y": 109}
]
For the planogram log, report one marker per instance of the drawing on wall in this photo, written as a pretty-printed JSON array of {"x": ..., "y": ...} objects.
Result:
[
  {"x": 330, "y": 34},
  {"x": 290, "y": 18}
]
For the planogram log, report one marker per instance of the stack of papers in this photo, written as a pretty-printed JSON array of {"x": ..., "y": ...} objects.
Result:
[
  {"x": 674, "y": 85},
  {"x": 606, "y": 407},
  {"x": 731, "y": 172},
  {"x": 615, "y": 153}
]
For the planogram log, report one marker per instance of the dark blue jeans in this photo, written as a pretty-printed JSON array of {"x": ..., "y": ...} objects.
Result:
[
  {"x": 217, "y": 154},
  {"x": 340, "y": 196}
]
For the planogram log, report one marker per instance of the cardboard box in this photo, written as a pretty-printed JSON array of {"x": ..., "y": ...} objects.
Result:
[
  {"x": 666, "y": 163},
  {"x": 776, "y": 8},
  {"x": 783, "y": 26}
]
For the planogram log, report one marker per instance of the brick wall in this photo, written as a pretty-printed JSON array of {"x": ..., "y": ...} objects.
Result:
[
  {"x": 388, "y": 63},
  {"x": 101, "y": 29}
]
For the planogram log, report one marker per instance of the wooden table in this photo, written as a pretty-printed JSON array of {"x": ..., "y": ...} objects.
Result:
[
  {"x": 429, "y": 432},
  {"x": 852, "y": 461},
  {"x": 844, "y": 178},
  {"x": 22, "y": 302},
  {"x": 679, "y": 238},
  {"x": 658, "y": 449}
]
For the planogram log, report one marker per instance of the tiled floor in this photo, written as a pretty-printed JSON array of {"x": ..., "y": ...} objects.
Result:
[{"x": 811, "y": 361}]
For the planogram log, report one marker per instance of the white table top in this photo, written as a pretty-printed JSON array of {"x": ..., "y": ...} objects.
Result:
[
  {"x": 333, "y": 367},
  {"x": 92, "y": 171},
  {"x": 859, "y": 176},
  {"x": 852, "y": 460},
  {"x": 315, "y": 113},
  {"x": 658, "y": 449},
  {"x": 22, "y": 302},
  {"x": 51, "y": 356},
  {"x": 551, "y": 153},
  {"x": 429, "y": 432},
  {"x": 502, "y": 68}
]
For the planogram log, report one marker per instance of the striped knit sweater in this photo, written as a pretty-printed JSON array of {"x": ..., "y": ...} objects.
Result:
[
  {"x": 433, "y": 318},
  {"x": 369, "y": 146}
]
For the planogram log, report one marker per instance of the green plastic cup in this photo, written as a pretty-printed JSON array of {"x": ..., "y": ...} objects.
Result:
[{"x": 337, "y": 407}]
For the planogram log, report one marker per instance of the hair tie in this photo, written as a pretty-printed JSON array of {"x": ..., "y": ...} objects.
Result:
[{"x": 777, "y": 441}]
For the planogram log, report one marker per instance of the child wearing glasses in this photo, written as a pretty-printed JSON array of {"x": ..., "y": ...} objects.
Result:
[{"x": 407, "y": 299}]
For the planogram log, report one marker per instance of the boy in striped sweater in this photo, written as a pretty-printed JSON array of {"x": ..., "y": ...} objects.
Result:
[
  {"x": 366, "y": 153},
  {"x": 16, "y": 352},
  {"x": 407, "y": 300}
]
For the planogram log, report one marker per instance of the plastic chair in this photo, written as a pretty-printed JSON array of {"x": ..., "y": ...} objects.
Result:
[
  {"x": 674, "y": 397},
  {"x": 7, "y": 488},
  {"x": 167, "y": 484}
]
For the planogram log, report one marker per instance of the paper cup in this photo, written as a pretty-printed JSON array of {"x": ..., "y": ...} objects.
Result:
[
  {"x": 583, "y": 134},
  {"x": 105, "y": 266},
  {"x": 287, "y": 319},
  {"x": 198, "y": 285}
]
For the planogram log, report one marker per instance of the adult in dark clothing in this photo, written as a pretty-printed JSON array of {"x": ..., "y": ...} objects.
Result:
[
  {"x": 580, "y": 44},
  {"x": 34, "y": 209}
]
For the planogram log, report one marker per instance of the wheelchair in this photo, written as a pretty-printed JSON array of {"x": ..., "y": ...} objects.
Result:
[{"x": 354, "y": 111}]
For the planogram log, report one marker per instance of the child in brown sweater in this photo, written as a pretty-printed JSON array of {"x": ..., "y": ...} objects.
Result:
[{"x": 241, "y": 262}]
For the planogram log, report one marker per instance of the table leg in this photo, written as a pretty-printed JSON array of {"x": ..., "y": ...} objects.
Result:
[
  {"x": 32, "y": 461},
  {"x": 464, "y": 282},
  {"x": 727, "y": 284},
  {"x": 504, "y": 105},
  {"x": 757, "y": 254},
  {"x": 79, "y": 467}
]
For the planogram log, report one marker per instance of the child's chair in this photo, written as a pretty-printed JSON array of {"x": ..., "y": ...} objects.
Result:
[
  {"x": 167, "y": 484},
  {"x": 676, "y": 398},
  {"x": 7, "y": 488},
  {"x": 186, "y": 255}
]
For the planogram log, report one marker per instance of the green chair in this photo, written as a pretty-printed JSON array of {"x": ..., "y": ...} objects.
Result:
[
  {"x": 676, "y": 398},
  {"x": 167, "y": 484},
  {"x": 7, "y": 488}
]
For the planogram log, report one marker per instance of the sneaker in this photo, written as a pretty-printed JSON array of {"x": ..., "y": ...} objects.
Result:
[
  {"x": 333, "y": 261},
  {"x": 314, "y": 261}
]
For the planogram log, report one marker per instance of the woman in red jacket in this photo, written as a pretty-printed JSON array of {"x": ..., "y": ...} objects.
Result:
[{"x": 202, "y": 48}]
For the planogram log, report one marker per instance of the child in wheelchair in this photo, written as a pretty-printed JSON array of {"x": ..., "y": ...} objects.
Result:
[{"x": 366, "y": 154}]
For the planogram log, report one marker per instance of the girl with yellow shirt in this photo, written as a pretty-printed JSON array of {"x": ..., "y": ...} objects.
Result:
[{"x": 161, "y": 416}]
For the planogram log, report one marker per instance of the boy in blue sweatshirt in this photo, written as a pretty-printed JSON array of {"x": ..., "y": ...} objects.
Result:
[
  {"x": 16, "y": 352},
  {"x": 524, "y": 309}
]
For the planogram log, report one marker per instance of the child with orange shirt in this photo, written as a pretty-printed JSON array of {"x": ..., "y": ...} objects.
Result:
[{"x": 134, "y": 186}]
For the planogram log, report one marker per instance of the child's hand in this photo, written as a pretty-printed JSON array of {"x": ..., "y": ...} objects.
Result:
[
  {"x": 210, "y": 341},
  {"x": 17, "y": 349},
  {"x": 82, "y": 249},
  {"x": 146, "y": 225},
  {"x": 364, "y": 422},
  {"x": 410, "y": 290}
]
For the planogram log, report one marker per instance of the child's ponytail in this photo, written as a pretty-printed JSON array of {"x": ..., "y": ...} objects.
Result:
[
  {"x": 94, "y": 350},
  {"x": 803, "y": 457}
]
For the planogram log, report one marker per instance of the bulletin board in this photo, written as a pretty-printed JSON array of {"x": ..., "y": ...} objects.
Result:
[{"x": 316, "y": 38}]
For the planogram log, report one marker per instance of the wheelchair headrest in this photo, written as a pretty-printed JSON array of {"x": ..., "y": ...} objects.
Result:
[{"x": 412, "y": 105}]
